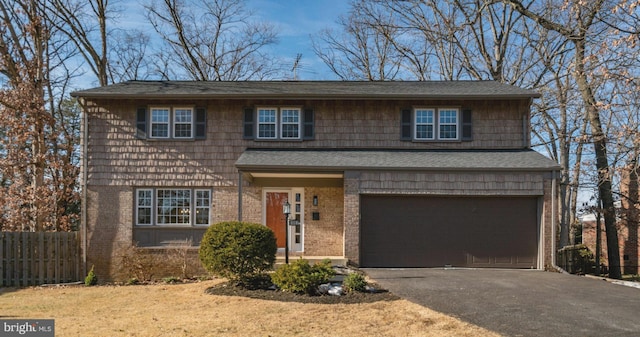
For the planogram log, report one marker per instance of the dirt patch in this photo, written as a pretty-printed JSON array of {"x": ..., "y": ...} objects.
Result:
[{"x": 225, "y": 289}]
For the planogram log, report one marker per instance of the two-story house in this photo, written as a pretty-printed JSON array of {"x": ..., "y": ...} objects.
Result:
[{"x": 383, "y": 174}]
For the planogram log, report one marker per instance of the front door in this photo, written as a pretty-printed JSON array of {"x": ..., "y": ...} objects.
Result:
[{"x": 274, "y": 216}]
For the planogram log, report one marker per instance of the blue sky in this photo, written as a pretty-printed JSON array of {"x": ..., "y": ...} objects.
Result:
[{"x": 296, "y": 21}]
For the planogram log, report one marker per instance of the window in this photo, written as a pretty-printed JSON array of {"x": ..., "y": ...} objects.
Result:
[
  {"x": 431, "y": 124},
  {"x": 290, "y": 121},
  {"x": 144, "y": 202},
  {"x": 173, "y": 207},
  {"x": 274, "y": 123},
  {"x": 267, "y": 122},
  {"x": 182, "y": 122},
  {"x": 172, "y": 122},
  {"x": 278, "y": 123},
  {"x": 203, "y": 200},
  {"x": 448, "y": 124},
  {"x": 424, "y": 124},
  {"x": 160, "y": 122}
]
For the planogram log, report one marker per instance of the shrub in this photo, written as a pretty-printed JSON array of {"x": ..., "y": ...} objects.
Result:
[
  {"x": 301, "y": 277},
  {"x": 354, "y": 282},
  {"x": 91, "y": 278},
  {"x": 238, "y": 250},
  {"x": 140, "y": 264}
]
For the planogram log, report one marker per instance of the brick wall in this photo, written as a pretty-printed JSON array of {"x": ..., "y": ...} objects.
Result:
[{"x": 324, "y": 237}]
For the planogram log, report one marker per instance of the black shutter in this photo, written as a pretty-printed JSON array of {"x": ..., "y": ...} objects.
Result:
[
  {"x": 467, "y": 132},
  {"x": 249, "y": 123},
  {"x": 405, "y": 125},
  {"x": 201, "y": 123},
  {"x": 141, "y": 123},
  {"x": 308, "y": 123}
]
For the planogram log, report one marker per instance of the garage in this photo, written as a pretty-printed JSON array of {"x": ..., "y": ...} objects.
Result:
[{"x": 418, "y": 231}]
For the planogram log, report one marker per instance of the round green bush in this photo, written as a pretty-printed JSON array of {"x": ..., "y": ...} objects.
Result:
[
  {"x": 238, "y": 251},
  {"x": 301, "y": 277},
  {"x": 354, "y": 282}
]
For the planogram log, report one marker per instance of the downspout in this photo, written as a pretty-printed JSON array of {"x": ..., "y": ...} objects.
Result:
[
  {"x": 239, "y": 196},
  {"x": 83, "y": 158},
  {"x": 553, "y": 223}
]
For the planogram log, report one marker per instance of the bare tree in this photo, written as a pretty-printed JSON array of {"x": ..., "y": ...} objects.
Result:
[
  {"x": 212, "y": 40},
  {"x": 582, "y": 26},
  {"x": 363, "y": 50},
  {"x": 85, "y": 24}
]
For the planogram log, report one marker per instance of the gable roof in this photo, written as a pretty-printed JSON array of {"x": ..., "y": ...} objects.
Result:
[
  {"x": 339, "y": 160},
  {"x": 309, "y": 90}
]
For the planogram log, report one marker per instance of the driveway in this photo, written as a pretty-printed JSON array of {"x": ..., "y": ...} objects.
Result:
[{"x": 520, "y": 302}]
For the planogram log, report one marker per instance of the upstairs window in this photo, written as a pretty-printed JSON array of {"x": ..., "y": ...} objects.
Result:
[
  {"x": 159, "y": 122},
  {"x": 171, "y": 123},
  {"x": 182, "y": 123},
  {"x": 422, "y": 124},
  {"x": 278, "y": 123},
  {"x": 267, "y": 123},
  {"x": 448, "y": 124},
  {"x": 290, "y": 123}
]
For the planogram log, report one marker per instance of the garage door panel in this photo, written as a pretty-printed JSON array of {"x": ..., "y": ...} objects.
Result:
[{"x": 460, "y": 231}]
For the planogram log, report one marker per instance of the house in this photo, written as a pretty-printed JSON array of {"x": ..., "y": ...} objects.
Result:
[
  {"x": 628, "y": 218},
  {"x": 382, "y": 174}
]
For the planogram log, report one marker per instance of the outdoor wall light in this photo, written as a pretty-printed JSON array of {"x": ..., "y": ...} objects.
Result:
[
  {"x": 315, "y": 200},
  {"x": 286, "y": 210}
]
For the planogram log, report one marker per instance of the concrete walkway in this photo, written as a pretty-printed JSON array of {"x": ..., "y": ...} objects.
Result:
[{"x": 521, "y": 302}]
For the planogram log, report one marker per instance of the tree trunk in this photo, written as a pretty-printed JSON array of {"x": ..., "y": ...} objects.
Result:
[{"x": 602, "y": 162}]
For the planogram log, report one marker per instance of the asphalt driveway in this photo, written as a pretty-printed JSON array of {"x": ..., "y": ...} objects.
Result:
[{"x": 520, "y": 302}]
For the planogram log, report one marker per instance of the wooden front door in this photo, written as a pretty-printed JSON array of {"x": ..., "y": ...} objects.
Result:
[{"x": 274, "y": 216}]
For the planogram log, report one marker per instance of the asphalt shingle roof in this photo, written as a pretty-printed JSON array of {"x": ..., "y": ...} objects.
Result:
[
  {"x": 339, "y": 160},
  {"x": 309, "y": 90}
]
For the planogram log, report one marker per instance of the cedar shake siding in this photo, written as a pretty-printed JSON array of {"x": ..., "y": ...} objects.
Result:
[{"x": 352, "y": 139}]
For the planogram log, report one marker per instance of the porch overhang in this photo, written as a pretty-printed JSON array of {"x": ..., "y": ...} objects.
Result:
[{"x": 332, "y": 162}]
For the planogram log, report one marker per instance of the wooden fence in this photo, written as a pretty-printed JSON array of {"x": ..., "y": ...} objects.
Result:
[{"x": 28, "y": 258}]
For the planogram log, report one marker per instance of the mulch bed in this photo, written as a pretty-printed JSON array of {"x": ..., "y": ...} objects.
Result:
[{"x": 226, "y": 289}]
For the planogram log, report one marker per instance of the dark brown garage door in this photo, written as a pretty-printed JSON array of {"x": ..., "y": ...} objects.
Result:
[{"x": 498, "y": 232}]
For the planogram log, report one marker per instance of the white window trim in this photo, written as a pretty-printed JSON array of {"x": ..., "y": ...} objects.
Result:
[
  {"x": 436, "y": 124},
  {"x": 457, "y": 123},
  {"x": 415, "y": 123},
  {"x": 171, "y": 132},
  {"x": 152, "y": 123},
  {"x": 279, "y": 123},
  {"x": 154, "y": 207},
  {"x": 196, "y": 207},
  {"x": 157, "y": 215},
  {"x": 276, "y": 122},
  {"x": 149, "y": 207},
  {"x": 282, "y": 123},
  {"x": 191, "y": 124}
]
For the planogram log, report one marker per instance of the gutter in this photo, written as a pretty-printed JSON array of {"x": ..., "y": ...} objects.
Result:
[{"x": 83, "y": 211}]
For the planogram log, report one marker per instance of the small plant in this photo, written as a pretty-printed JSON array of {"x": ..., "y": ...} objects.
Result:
[
  {"x": 132, "y": 281},
  {"x": 91, "y": 278},
  {"x": 171, "y": 279},
  {"x": 301, "y": 277},
  {"x": 238, "y": 250},
  {"x": 354, "y": 282}
]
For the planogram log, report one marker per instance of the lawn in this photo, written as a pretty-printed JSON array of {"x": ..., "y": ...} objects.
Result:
[{"x": 188, "y": 310}]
